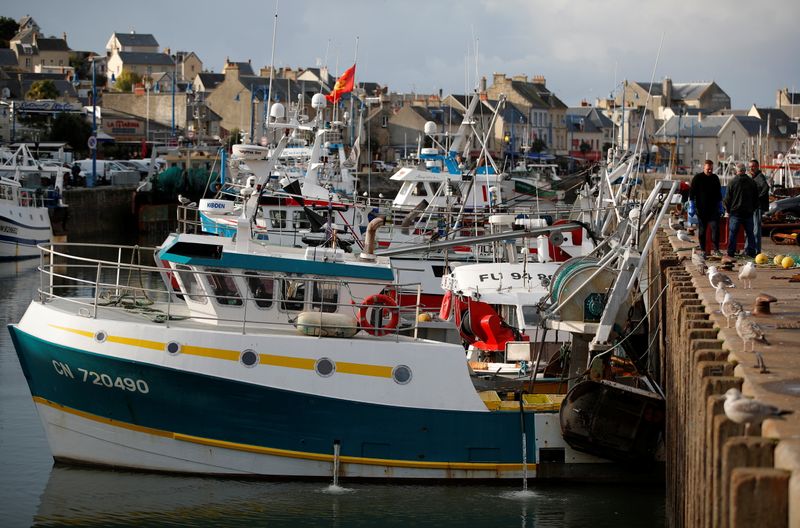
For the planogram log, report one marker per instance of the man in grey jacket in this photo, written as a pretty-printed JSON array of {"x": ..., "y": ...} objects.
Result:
[
  {"x": 763, "y": 200},
  {"x": 741, "y": 201}
]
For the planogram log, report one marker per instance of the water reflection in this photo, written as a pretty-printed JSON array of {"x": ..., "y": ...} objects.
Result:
[{"x": 94, "y": 497}]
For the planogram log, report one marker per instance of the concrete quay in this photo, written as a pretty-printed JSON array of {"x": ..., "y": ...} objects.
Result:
[{"x": 717, "y": 476}]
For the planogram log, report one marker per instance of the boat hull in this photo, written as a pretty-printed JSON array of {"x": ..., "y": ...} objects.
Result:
[
  {"x": 111, "y": 409},
  {"x": 21, "y": 230}
]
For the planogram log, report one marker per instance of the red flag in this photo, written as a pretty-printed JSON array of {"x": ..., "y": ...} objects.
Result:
[{"x": 343, "y": 85}]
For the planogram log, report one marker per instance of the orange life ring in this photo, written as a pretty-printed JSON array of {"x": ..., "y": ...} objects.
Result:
[
  {"x": 378, "y": 300},
  {"x": 447, "y": 306}
]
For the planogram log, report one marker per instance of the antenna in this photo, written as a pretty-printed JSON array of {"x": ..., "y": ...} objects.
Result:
[{"x": 272, "y": 63}]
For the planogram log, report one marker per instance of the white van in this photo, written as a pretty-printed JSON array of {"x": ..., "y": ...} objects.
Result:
[{"x": 109, "y": 172}]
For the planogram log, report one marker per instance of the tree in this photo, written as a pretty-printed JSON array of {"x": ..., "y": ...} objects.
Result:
[
  {"x": 126, "y": 81},
  {"x": 585, "y": 147},
  {"x": 71, "y": 128},
  {"x": 8, "y": 28},
  {"x": 45, "y": 89}
]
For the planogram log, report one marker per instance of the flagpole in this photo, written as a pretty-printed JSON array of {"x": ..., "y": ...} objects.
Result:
[
  {"x": 272, "y": 66},
  {"x": 355, "y": 60}
]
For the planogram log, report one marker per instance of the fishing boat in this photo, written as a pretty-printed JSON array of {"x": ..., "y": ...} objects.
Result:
[
  {"x": 228, "y": 356},
  {"x": 24, "y": 217}
]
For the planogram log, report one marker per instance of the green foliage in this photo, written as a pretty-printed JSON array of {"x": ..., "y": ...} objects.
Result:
[
  {"x": 45, "y": 89},
  {"x": 585, "y": 147},
  {"x": 126, "y": 81},
  {"x": 71, "y": 128},
  {"x": 8, "y": 28}
]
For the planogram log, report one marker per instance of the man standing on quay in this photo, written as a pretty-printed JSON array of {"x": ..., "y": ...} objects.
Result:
[
  {"x": 763, "y": 199},
  {"x": 741, "y": 201},
  {"x": 706, "y": 194}
]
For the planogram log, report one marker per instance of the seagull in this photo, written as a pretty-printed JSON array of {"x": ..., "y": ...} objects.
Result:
[
  {"x": 747, "y": 274},
  {"x": 183, "y": 200},
  {"x": 719, "y": 294},
  {"x": 716, "y": 277},
  {"x": 748, "y": 411},
  {"x": 699, "y": 262},
  {"x": 749, "y": 330},
  {"x": 684, "y": 236},
  {"x": 730, "y": 307}
]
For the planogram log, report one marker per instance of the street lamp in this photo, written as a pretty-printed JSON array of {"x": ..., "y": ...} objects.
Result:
[
  {"x": 148, "y": 84},
  {"x": 93, "y": 139}
]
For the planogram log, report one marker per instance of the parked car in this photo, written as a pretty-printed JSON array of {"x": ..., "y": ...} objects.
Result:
[
  {"x": 110, "y": 172},
  {"x": 382, "y": 166}
]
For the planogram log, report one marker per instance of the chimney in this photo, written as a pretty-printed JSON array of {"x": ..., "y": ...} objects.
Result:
[
  {"x": 483, "y": 84},
  {"x": 521, "y": 78},
  {"x": 666, "y": 91},
  {"x": 231, "y": 70},
  {"x": 498, "y": 78},
  {"x": 64, "y": 36},
  {"x": 539, "y": 79}
]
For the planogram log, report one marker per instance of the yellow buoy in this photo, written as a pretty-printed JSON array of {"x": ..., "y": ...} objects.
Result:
[
  {"x": 778, "y": 259},
  {"x": 761, "y": 258},
  {"x": 787, "y": 262},
  {"x": 424, "y": 318}
]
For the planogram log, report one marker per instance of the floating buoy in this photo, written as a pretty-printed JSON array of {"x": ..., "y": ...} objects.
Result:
[{"x": 787, "y": 262}]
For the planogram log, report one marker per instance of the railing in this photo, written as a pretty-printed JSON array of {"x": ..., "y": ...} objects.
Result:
[{"x": 119, "y": 282}]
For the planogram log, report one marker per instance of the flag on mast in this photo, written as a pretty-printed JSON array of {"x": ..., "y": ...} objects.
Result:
[{"x": 344, "y": 84}]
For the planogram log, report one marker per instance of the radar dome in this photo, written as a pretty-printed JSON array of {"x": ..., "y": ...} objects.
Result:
[
  {"x": 318, "y": 101},
  {"x": 430, "y": 128},
  {"x": 277, "y": 111}
]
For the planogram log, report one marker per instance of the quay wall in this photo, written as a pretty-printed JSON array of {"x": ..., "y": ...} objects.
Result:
[
  {"x": 101, "y": 214},
  {"x": 717, "y": 476}
]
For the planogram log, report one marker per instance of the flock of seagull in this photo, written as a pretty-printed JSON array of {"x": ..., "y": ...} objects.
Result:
[{"x": 738, "y": 408}]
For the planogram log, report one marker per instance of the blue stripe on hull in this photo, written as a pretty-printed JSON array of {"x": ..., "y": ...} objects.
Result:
[{"x": 230, "y": 411}]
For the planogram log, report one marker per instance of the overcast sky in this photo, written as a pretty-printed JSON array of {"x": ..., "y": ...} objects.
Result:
[{"x": 583, "y": 47}]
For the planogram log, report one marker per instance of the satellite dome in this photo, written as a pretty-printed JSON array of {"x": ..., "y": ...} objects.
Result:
[
  {"x": 277, "y": 111},
  {"x": 430, "y": 128},
  {"x": 318, "y": 101}
]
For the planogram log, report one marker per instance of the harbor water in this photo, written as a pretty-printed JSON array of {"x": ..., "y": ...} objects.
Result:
[{"x": 36, "y": 492}]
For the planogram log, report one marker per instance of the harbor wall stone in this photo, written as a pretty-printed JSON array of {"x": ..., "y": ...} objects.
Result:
[{"x": 716, "y": 476}]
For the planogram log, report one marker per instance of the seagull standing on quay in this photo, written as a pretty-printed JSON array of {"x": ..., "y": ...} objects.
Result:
[
  {"x": 749, "y": 330},
  {"x": 730, "y": 307},
  {"x": 748, "y": 411},
  {"x": 747, "y": 274},
  {"x": 716, "y": 277},
  {"x": 677, "y": 225},
  {"x": 684, "y": 236}
]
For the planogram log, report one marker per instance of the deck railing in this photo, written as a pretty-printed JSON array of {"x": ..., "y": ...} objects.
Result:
[{"x": 119, "y": 281}]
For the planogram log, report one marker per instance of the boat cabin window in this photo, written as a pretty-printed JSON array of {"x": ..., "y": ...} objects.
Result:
[
  {"x": 223, "y": 287},
  {"x": 508, "y": 312},
  {"x": 277, "y": 219},
  {"x": 261, "y": 288},
  {"x": 191, "y": 286},
  {"x": 419, "y": 189},
  {"x": 531, "y": 315},
  {"x": 293, "y": 295},
  {"x": 300, "y": 221},
  {"x": 325, "y": 296}
]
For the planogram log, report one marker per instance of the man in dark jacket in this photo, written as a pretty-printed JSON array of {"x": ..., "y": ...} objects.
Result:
[
  {"x": 763, "y": 200},
  {"x": 706, "y": 194},
  {"x": 741, "y": 201}
]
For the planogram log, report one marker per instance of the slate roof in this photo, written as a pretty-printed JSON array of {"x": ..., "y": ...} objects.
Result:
[
  {"x": 593, "y": 121},
  {"x": 444, "y": 115},
  {"x": 136, "y": 39},
  {"x": 680, "y": 91},
  {"x": 8, "y": 57},
  {"x": 211, "y": 80},
  {"x": 52, "y": 44},
  {"x": 259, "y": 84},
  {"x": 245, "y": 68},
  {"x": 708, "y": 126},
  {"x": 62, "y": 85},
  {"x": 139, "y": 57},
  {"x": 793, "y": 97}
]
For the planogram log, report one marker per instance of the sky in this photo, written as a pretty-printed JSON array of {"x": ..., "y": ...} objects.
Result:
[{"x": 584, "y": 48}]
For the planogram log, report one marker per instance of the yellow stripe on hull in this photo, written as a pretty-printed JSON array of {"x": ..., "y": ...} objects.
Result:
[{"x": 286, "y": 453}]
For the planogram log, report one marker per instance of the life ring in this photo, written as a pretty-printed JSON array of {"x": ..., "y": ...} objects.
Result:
[
  {"x": 447, "y": 306},
  {"x": 379, "y": 301}
]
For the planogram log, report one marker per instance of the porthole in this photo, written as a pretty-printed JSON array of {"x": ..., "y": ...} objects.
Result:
[
  {"x": 173, "y": 348},
  {"x": 401, "y": 374},
  {"x": 249, "y": 358},
  {"x": 325, "y": 367},
  {"x": 100, "y": 336}
]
